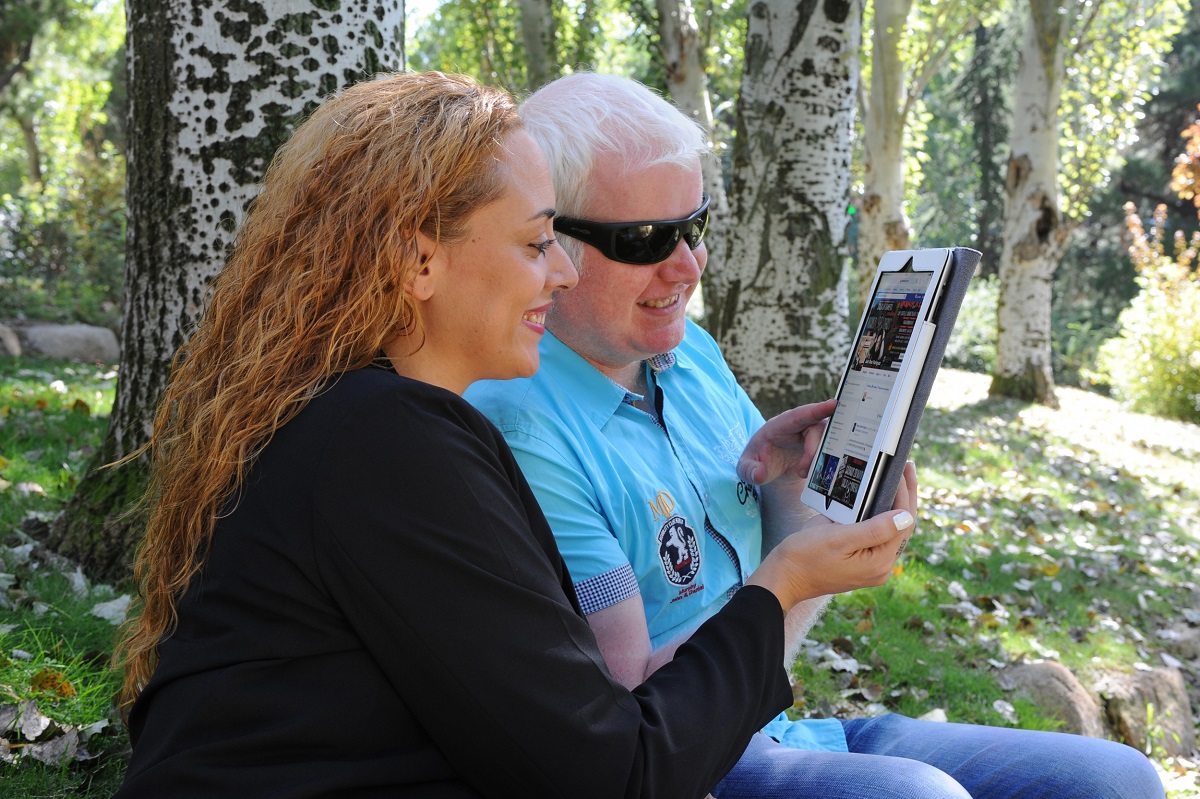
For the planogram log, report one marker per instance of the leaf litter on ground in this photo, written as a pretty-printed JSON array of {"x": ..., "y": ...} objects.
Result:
[{"x": 1068, "y": 535}]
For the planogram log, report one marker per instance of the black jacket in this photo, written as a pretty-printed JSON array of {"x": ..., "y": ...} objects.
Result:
[{"x": 385, "y": 613}]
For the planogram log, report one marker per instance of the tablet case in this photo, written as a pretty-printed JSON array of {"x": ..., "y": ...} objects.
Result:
[{"x": 963, "y": 262}]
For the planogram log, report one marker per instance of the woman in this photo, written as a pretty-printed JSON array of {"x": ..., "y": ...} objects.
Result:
[{"x": 348, "y": 589}]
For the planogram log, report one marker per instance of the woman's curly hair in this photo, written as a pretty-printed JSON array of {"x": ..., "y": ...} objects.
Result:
[{"x": 313, "y": 288}]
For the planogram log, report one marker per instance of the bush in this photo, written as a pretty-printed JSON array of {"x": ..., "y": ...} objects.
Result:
[
  {"x": 1076, "y": 339},
  {"x": 972, "y": 344},
  {"x": 1154, "y": 363},
  {"x": 61, "y": 258}
]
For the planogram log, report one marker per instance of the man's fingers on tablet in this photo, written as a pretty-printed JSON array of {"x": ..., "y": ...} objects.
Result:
[{"x": 750, "y": 471}]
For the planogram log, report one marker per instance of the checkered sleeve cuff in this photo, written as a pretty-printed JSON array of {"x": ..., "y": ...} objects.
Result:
[{"x": 605, "y": 590}]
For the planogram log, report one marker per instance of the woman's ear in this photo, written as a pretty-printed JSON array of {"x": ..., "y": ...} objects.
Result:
[{"x": 431, "y": 259}]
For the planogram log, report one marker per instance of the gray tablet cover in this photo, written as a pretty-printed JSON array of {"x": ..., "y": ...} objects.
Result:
[{"x": 963, "y": 262}]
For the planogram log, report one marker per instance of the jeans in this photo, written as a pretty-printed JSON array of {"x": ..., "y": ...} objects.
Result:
[{"x": 895, "y": 757}]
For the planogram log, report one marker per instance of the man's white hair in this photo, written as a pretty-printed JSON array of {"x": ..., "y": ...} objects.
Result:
[{"x": 580, "y": 118}]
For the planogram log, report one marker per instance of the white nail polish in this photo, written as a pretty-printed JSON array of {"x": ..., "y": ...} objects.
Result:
[{"x": 903, "y": 520}]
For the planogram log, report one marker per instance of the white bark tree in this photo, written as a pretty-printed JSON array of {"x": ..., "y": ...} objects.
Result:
[
  {"x": 1110, "y": 50},
  {"x": 214, "y": 88},
  {"x": 687, "y": 83},
  {"x": 538, "y": 33},
  {"x": 908, "y": 45},
  {"x": 1035, "y": 233},
  {"x": 882, "y": 223},
  {"x": 777, "y": 295}
]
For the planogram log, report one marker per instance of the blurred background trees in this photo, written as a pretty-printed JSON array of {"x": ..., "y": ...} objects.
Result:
[{"x": 62, "y": 166}]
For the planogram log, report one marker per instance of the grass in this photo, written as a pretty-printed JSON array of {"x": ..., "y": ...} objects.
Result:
[
  {"x": 1071, "y": 535},
  {"x": 53, "y": 651},
  {"x": 1068, "y": 534}
]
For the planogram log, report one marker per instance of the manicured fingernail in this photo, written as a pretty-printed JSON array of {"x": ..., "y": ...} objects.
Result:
[{"x": 903, "y": 520}]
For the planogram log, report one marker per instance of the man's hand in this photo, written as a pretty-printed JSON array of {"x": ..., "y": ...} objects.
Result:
[{"x": 784, "y": 447}]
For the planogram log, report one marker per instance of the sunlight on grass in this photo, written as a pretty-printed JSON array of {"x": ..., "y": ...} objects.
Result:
[{"x": 1044, "y": 535}]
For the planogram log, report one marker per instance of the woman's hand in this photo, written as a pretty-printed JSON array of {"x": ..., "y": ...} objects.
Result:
[{"x": 828, "y": 558}]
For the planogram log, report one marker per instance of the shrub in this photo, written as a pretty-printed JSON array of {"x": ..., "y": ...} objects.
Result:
[
  {"x": 1154, "y": 362},
  {"x": 972, "y": 344},
  {"x": 62, "y": 258}
]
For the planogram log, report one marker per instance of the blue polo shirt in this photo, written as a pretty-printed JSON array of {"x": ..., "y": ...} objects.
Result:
[{"x": 639, "y": 502}]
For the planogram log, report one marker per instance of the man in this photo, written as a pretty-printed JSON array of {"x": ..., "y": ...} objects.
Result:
[{"x": 661, "y": 481}]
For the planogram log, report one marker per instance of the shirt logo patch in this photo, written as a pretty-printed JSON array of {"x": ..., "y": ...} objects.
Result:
[{"x": 678, "y": 551}]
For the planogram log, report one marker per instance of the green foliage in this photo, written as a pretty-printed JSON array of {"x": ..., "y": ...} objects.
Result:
[
  {"x": 483, "y": 39},
  {"x": 1114, "y": 62},
  {"x": 972, "y": 344},
  {"x": 52, "y": 418},
  {"x": 1096, "y": 279},
  {"x": 62, "y": 177},
  {"x": 61, "y": 261},
  {"x": 474, "y": 37},
  {"x": 1155, "y": 361},
  {"x": 961, "y": 197}
]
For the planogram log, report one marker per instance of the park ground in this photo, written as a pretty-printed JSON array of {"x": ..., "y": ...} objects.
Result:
[{"x": 1068, "y": 535}]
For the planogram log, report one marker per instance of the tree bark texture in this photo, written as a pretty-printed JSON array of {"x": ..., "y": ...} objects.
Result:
[
  {"x": 1035, "y": 231},
  {"x": 687, "y": 83},
  {"x": 538, "y": 33},
  {"x": 215, "y": 86},
  {"x": 777, "y": 294},
  {"x": 882, "y": 223}
]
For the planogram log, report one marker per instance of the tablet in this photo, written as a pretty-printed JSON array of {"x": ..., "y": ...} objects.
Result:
[{"x": 894, "y": 357}]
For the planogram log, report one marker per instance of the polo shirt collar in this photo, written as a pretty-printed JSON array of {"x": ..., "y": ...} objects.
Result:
[{"x": 596, "y": 394}]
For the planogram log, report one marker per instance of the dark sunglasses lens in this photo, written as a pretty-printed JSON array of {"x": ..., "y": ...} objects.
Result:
[
  {"x": 696, "y": 230},
  {"x": 645, "y": 244}
]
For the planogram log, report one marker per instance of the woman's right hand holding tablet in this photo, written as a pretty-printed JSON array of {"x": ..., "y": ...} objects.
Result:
[{"x": 824, "y": 557}]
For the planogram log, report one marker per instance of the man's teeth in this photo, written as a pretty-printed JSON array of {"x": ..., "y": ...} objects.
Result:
[
  {"x": 537, "y": 317},
  {"x": 662, "y": 303}
]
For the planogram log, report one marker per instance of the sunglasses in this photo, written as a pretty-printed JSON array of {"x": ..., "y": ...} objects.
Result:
[{"x": 637, "y": 242}]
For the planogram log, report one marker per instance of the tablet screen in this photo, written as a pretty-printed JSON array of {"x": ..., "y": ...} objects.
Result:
[{"x": 875, "y": 364}]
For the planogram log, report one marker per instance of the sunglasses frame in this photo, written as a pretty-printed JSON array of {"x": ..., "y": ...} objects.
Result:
[{"x": 603, "y": 235}]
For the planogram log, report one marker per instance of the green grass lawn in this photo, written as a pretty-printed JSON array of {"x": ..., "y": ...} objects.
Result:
[
  {"x": 54, "y": 652},
  {"x": 1071, "y": 535}
]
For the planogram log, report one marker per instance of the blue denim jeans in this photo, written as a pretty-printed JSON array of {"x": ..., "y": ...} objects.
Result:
[{"x": 895, "y": 757}]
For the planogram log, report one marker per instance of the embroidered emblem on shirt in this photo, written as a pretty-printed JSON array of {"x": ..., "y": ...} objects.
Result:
[
  {"x": 678, "y": 551},
  {"x": 662, "y": 505},
  {"x": 730, "y": 448}
]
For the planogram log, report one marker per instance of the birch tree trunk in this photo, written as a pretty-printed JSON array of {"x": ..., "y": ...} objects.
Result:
[
  {"x": 214, "y": 88},
  {"x": 1035, "y": 230},
  {"x": 33, "y": 153},
  {"x": 778, "y": 295},
  {"x": 538, "y": 32},
  {"x": 687, "y": 82},
  {"x": 882, "y": 223}
]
